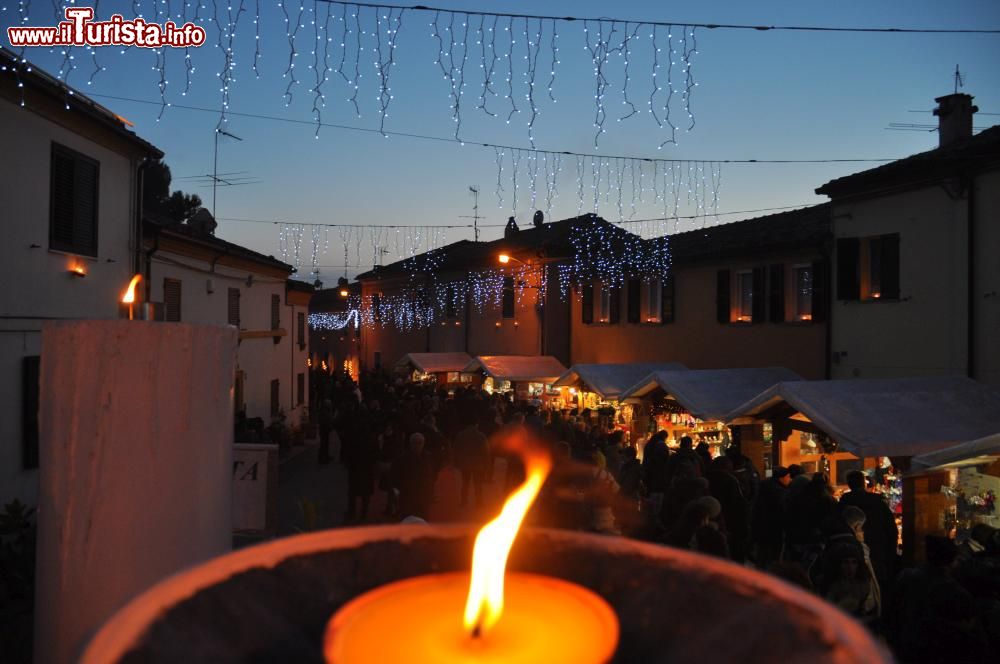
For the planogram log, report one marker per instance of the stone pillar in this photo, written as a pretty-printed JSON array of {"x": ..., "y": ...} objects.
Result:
[{"x": 136, "y": 437}]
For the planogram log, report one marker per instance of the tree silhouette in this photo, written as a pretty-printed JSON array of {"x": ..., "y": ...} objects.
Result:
[{"x": 157, "y": 199}]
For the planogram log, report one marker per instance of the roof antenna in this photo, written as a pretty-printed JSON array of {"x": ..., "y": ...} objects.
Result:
[
  {"x": 474, "y": 190},
  {"x": 959, "y": 81}
]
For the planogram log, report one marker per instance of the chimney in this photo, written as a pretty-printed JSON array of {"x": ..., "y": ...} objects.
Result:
[{"x": 954, "y": 113}]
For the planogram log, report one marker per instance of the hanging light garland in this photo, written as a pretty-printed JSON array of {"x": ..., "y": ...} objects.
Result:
[
  {"x": 503, "y": 60},
  {"x": 598, "y": 251}
]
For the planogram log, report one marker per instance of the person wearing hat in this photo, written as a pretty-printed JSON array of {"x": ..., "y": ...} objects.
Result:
[{"x": 767, "y": 520}]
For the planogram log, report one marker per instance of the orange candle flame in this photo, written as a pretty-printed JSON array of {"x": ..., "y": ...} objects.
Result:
[
  {"x": 129, "y": 296},
  {"x": 489, "y": 556}
]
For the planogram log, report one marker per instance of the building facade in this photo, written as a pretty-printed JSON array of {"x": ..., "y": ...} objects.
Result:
[
  {"x": 70, "y": 191},
  {"x": 195, "y": 277},
  {"x": 916, "y": 275},
  {"x": 746, "y": 294}
]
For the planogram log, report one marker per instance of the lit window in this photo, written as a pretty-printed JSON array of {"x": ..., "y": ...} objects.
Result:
[
  {"x": 744, "y": 296},
  {"x": 651, "y": 296},
  {"x": 604, "y": 304},
  {"x": 803, "y": 292}
]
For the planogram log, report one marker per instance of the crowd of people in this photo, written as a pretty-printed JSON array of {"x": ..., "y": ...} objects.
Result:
[{"x": 396, "y": 437}]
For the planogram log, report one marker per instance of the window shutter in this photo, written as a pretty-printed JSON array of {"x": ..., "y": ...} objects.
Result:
[
  {"x": 85, "y": 207},
  {"x": 234, "y": 307},
  {"x": 722, "y": 298},
  {"x": 848, "y": 268},
  {"x": 300, "y": 323},
  {"x": 30, "y": 369},
  {"x": 615, "y": 305},
  {"x": 61, "y": 201},
  {"x": 171, "y": 300},
  {"x": 667, "y": 299},
  {"x": 759, "y": 301},
  {"x": 632, "y": 295},
  {"x": 73, "y": 202},
  {"x": 889, "y": 248},
  {"x": 300, "y": 389},
  {"x": 820, "y": 296},
  {"x": 587, "y": 310},
  {"x": 507, "y": 305},
  {"x": 776, "y": 294},
  {"x": 275, "y": 312},
  {"x": 275, "y": 398}
]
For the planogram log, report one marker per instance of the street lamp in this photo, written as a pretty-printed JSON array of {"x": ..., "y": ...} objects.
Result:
[{"x": 507, "y": 258}]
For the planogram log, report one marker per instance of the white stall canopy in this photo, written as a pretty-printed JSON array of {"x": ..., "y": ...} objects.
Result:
[
  {"x": 610, "y": 380},
  {"x": 434, "y": 362},
  {"x": 518, "y": 368},
  {"x": 886, "y": 417},
  {"x": 971, "y": 453},
  {"x": 709, "y": 394}
]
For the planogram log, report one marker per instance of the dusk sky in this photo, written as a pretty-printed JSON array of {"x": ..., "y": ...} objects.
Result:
[{"x": 760, "y": 95}]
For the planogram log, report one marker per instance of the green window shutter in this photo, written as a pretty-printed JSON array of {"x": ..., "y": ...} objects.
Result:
[
  {"x": 776, "y": 293},
  {"x": 759, "y": 299},
  {"x": 633, "y": 299},
  {"x": 668, "y": 306},
  {"x": 848, "y": 268}
]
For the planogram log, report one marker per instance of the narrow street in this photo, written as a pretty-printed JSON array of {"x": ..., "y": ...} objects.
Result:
[{"x": 313, "y": 497}]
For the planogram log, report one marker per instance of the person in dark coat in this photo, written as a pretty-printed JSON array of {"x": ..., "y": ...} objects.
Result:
[
  {"x": 685, "y": 487},
  {"x": 326, "y": 421},
  {"x": 767, "y": 524},
  {"x": 361, "y": 475},
  {"x": 735, "y": 509},
  {"x": 413, "y": 475},
  {"x": 655, "y": 459},
  {"x": 933, "y": 618},
  {"x": 630, "y": 473},
  {"x": 808, "y": 512},
  {"x": 703, "y": 451},
  {"x": 880, "y": 526},
  {"x": 685, "y": 454},
  {"x": 744, "y": 471},
  {"x": 472, "y": 454}
]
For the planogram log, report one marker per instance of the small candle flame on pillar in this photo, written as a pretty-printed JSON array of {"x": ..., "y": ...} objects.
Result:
[
  {"x": 489, "y": 556},
  {"x": 129, "y": 297}
]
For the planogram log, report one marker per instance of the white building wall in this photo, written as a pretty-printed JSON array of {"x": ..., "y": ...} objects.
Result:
[
  {"x": 205, "y": 299},
  {"x": 925, "y": 331},
  {"x": 987, "y": 292},
  {"x": 298, "y": 357},
  {"x": 35, "y": 282}
]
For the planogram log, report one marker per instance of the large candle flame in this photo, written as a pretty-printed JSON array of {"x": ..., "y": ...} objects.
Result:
[
  {"x": 129, "y": 296},
  {"x": 489, "y": 556}
]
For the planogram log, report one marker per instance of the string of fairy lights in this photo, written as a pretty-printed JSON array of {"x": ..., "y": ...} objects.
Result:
[
  {"x": 499, "y": 57},
  {"x": 598, "y": 252},
  {"x": 503, "y": 67}
]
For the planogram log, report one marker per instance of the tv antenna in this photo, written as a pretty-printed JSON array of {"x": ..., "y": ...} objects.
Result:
[
  {"x": 959, "y": 81},
  {"x": 474, "y": 190}
]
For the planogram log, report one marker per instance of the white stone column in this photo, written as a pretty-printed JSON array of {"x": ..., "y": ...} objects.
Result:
[{"x": 136, "y": 424}]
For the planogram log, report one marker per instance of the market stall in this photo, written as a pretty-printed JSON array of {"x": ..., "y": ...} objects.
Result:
[
  {"x": 598, "y": 387},
  {"x": 873, "y": 425},
  {"x": 445, "y": 368},
  {"x": 528, "y": 377},
  {"x": 694, "y": 402},
  {"x": 953, "y": 490}
]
